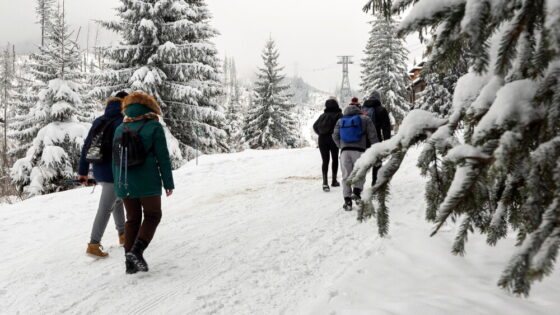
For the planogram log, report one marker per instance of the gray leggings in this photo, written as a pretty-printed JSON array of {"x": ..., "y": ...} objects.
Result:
[{"x": 107, "y": 204}]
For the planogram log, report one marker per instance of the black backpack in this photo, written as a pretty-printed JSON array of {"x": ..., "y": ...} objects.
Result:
[
  {"x": 102, "y": 142},
  {"x": 128, "y": 148},
  {"x": 326, "y": 124}
]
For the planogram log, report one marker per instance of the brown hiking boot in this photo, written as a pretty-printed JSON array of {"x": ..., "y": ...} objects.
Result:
[
  {"x": 121, "y": 239},
  {"x": 95, "y": 249}
]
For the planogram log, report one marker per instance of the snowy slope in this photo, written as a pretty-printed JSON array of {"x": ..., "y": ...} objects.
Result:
[{"x": 252, "y": 233}]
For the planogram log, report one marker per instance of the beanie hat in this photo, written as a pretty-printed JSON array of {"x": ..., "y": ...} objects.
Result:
[
  {"x": 375, "y": 96},
  {"x": 121, "y": 94},
  {"x": 355, "y": 101}
]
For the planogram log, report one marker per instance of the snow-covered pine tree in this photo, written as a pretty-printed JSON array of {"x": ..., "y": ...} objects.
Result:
[
  {"x": 44, "y": 11},
  {"x": 384, "y": 67},
  {"x": 7, "y": 79},
  {"x": 54, "y": 153},
  {"x": 166, "y": 51},
  {"x": 506, "y": 174},
  {"x": 22, "y": 130},
  {"x": 234, "y": 116},
  {"x": 270, "y": 121}
]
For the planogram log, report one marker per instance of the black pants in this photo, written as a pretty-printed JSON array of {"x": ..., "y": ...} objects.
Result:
[
  {"x": 134, "y": 226},
  {"x": 328, "y": 150}
]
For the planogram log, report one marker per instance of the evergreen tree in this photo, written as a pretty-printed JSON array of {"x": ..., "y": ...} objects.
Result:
[
  {"x": 270, "y": 120},
  {"x": 166, "y": 51},
  {"x": 54, "y": 152},
  {"x": 504, "y": 175},
  {"x": 384, "y": 67},
  {"x": 7, "y": 79},
  {"x": 44, "y": 11},
  {"x": 234, "y": 116}
]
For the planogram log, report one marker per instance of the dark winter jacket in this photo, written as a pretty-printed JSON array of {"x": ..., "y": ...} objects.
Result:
[
  {"x": 380, "y": 118},
  {"x": 369, "y": 135},
  {"x": 329, "y": 118},
  {"x": 102, "y": 172},
  {"x": 145, "y": 180}
]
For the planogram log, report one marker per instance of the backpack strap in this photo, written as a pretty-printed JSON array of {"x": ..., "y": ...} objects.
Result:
[{"x": 108, "y": 123}]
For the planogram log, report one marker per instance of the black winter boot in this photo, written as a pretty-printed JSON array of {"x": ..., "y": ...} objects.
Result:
[
  {"x": 347, "y": 204},
  {"x": 130, "y": 267},
  {"x": 326, "y": 187},
  {"x": 335, "y": 183},
  {"x": 136, "y": 255}
]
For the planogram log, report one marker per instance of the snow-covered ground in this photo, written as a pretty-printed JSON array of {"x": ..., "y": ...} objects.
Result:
[{"x": 252, "y": 233}]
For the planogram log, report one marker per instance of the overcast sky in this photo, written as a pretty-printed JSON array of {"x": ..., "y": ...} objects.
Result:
[{"x": 310, "y": 34}]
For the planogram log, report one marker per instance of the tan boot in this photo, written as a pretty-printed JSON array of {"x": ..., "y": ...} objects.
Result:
[
  {"x": 121, "y": 239},
  {"x": 95, "y": 249}
]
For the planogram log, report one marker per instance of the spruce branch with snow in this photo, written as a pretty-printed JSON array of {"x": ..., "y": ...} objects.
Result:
[
  {"x": 384, "y": 67},
  {"x": 270, "y": 120},
  {"x": 503, "y": 175},
  {"x": 166, "y": 51}
]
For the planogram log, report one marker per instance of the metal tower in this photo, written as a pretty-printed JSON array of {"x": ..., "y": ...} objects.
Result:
[{"x": 345, "y": 90}]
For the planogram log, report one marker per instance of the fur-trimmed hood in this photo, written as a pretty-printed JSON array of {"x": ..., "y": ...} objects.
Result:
[{"x": 141, "y": 99}]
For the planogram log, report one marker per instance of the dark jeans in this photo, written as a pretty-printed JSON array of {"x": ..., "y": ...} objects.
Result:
[
  {"x": 328, "y": 150},
  {"x": 135, "y": 227}
]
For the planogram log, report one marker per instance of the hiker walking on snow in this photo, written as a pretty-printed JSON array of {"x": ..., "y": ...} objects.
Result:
[
  {"x": 141, "y": 164},
  {"x": 324, "y": 127},
  {"x": 97, "y": 150},
  {"x": 352, "y": 134},
  {"x": 380, "y": 117}
]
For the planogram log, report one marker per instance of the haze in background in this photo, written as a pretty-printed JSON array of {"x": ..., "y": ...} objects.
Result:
[{"x": 310, "y": 34}]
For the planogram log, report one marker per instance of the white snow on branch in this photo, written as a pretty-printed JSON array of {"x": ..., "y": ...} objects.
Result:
[{"x": 512, "y": 104}]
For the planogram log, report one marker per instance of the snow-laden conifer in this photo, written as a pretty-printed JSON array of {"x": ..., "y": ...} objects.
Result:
[
  {"x": 503, "y": 174},
  {"x": 384, "y": 67},
  {"x": 166, "y": 51},
  {"x": 234, "y": 115},
  {"x": 55, "y": 118},
  {"x": 270, "y": 119}
]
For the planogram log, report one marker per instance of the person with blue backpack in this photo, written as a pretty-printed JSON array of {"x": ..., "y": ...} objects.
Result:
[
  {"x": 97, "y": 150},
  {"x": 353, "y": 134},
  {"x": 324, "y": 128},
  {"x": 142, "y": 167},
  {"x": 380, "y": 117}
]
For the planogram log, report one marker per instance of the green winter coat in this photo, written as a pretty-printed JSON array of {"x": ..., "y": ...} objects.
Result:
[{"x": 145, "y": 180}]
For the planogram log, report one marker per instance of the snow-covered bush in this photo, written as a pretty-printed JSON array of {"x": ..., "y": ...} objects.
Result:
[{"x": 505, "y": 173}]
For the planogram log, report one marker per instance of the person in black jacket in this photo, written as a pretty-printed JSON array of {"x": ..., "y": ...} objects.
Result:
[
  {"x": 382, "y": 122},
  {"x": 103, "y": 174},
  {"x": 324, "y": 127}
]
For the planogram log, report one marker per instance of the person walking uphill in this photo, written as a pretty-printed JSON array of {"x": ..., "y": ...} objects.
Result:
[
  {"x": 352, "y": 134},
  {"x": 141, "y": 164},
  {"x": 324, "y": 128},
  {"x": 380, "y": 117},
  {"x": 97, "y": 150}
]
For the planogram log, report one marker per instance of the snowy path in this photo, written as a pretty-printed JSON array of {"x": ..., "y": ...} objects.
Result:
[{"x": 251, "y": 233}]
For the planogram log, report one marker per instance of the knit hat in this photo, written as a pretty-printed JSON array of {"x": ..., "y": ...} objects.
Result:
[
  {"x": 355, "y": 101},
  {"x": 375, "y": 96},
  {"x": 121, "y": 94}
]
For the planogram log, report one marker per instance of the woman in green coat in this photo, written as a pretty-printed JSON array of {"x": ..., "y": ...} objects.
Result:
[{"x": 140, "y": 186}]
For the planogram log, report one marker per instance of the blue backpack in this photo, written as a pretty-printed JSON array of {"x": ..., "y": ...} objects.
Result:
[{"x": 351, "y": 129}]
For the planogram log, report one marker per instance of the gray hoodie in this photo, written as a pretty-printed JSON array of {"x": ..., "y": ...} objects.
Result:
[{"x": 369, "y": 134}]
